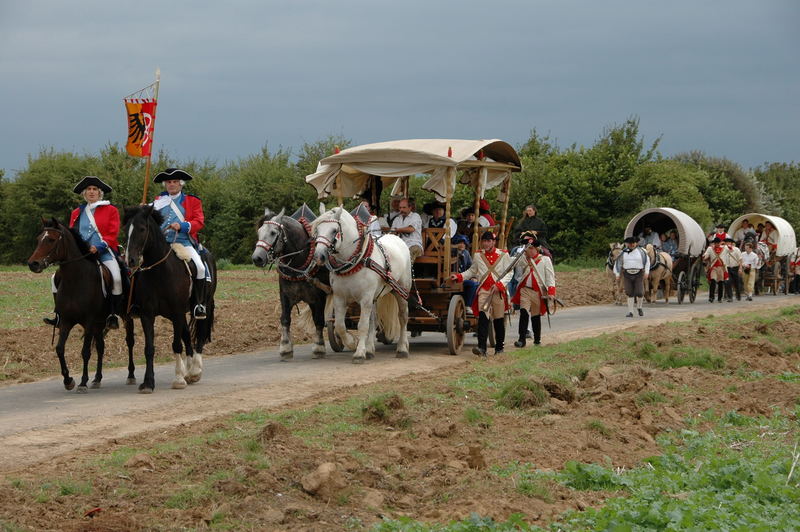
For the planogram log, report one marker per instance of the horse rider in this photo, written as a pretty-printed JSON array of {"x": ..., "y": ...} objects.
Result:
[
  {"x": 183, "y": 219},
  {"x": 716, "y": 271},
  {"x": 633, "y": 265},
  {"x": 536, "y": 284},
  {"x": 733, "y": 262},
  {"x": 488, "y": 265},
  {"x": 98, "y": 224}
]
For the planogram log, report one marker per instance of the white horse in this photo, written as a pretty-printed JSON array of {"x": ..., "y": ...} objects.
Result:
[{"x": 345, "y": 251}]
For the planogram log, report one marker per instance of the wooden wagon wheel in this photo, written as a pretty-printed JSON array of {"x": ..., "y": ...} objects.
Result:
[
  {"x": 694, "y": 279},
  {"x": 785, "y": 266},
  {"x": 333, "y": 339},
  {"x": 681, "y": 285},
  {"x": 456, "y": 316}
]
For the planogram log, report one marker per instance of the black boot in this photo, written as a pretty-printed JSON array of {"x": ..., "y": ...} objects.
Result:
[
  {"x": 199, "y": 311},
  {"x": 112, "y": 322},
  {"x": 523, "y": 328},
  {"x": 56, "y": 318},
  {"x": 499, "y": 335},
  {"x": 483, "y": 333},
  {"x": 712, "y": 284},
  {"x": 536, "y": 325}
]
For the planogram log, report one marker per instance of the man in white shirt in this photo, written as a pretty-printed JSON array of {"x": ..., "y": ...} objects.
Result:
[
  {"x": 733, "y": 261},
  {"x": 408, "y": 226},
  {"x": 633, "y": 265},
  {"x": 749, "y": 268}
]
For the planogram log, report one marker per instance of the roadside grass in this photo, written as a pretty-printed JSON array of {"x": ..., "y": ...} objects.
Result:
[{"x": 489, "y": 390}]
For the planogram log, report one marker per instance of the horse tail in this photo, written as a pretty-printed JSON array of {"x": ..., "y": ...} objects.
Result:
[
  {"x": 201, "y": 329},
  {"x": 388, "y": 315},
  {"x": 305, "y": 320},
  {"x": 329, "y": 307}
]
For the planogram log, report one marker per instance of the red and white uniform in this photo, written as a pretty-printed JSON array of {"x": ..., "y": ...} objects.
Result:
[
  {"x": 499, "y": 260},
  {"x": 524, "y": 272}
]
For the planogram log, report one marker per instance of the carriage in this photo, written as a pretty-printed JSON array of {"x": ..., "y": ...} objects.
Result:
[
  {"x": 775, "y": 272},
  {"x": 436, "y": 303},
  {"x": 687, "y": 268}
]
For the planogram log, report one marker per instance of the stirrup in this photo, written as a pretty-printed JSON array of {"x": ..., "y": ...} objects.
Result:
[{"x": 199, "y": 312}]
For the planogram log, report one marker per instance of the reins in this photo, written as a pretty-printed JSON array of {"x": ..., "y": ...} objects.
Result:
[
  {"x": 137, "y": 269},
  {"x": 59, "y": 241}
]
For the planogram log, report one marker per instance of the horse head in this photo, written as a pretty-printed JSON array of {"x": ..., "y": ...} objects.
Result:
[
  {"x": 143, "y": 225},
  {"x": 271, "y": 238},
  {"x": 50, "y": 246},
  {"x": 616, "y": 249},
  {"x": 330, "y": 233}
]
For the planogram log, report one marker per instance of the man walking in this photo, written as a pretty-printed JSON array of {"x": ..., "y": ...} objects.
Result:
[{"x": 633, "y": 265}]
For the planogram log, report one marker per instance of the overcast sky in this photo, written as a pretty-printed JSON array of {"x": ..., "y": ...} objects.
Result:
[{"x": 718, "y": 76}]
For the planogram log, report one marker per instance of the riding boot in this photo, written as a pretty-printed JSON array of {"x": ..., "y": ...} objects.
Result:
[
  {"x": 536, "y": 325},
  {"x": 56, "y": 318},
  {"x": 483, "y": 334},
  {"x": 112, "y": 322},
  {"x": 199, "y": 311},
  {"x": 523, "y": 328},
  {"x": 499, "y": 335},
  {"x": 712, "y": 284}
]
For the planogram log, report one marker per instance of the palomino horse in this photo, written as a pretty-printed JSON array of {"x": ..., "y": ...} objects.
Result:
[
  {"x": 162, "y": 286},
  {"x": 79, "y": 299},
  {"x": 616, "y": 284},
  {"x": 660, "y": 270},
  {"x": 286, "y": 240},
  {"x": 366, "y": 270}
]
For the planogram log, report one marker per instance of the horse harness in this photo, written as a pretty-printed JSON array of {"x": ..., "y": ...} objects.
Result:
[
  {"x": 362, "y": 256},
  {"x": 305, "y": 273}
]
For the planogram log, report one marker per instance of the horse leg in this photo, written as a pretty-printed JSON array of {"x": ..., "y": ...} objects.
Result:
[
  {"x": 86, "y": 354},
  {"x": 100, "y": 347},
  {"x": 63, "y": 334},
  {"x": 370, "y": 347},
  {"x": 402, "y": 316},
  {"x": 339, "y": 312},
  {"x": 177, "y": 350},
  {"x": 130, "y": 342},
  {"x": 195, "y": 358},
  {"x": 286, "y": 348},
  {"x": 367, "y": 306},
  {"x": 318, "y": 312},
  {"x": 148, "y": 385}
]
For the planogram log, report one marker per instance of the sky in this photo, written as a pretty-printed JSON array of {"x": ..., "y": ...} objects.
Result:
[{"x": 721, "y": 76}]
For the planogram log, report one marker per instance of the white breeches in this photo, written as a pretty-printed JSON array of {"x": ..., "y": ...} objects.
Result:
[
  {"x": 198, "y": 262},
  {"x": 113, "y": 267}
]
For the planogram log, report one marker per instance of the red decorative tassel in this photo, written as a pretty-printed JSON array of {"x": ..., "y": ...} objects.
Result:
[
  {"x": 480, "y": 155},
  {"x": 449, "y": 151},
  {"x": 336, "y": 149}
]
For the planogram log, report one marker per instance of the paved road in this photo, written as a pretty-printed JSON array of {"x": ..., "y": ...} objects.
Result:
[{"x": 41, "y": 419}]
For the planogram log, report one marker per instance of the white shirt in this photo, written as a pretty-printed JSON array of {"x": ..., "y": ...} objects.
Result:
[
  {"x": 749, "y": 258},
  {"x": 633, "y": 259},
  {"x": 413, "y": 238}
]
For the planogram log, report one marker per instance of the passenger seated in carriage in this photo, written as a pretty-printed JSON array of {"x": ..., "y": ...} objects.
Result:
[
  {"x": 770, "y": 236},
  {"x": 648, "y": 236},
  {"x": 669, "y": 243},
  {"x": 464, "y": 262},
  {"x": 408, "y": 226},
  {"x": 437, "y": 220},
  {"x": 744, "y": 232}
]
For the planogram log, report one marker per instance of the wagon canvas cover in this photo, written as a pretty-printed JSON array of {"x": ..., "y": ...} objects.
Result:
[
  {"x": 691, "y": 237},
  {"x": 787, "y": 242}
]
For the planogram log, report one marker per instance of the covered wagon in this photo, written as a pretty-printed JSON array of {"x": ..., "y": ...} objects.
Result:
[{"x": 779, "y": 246}]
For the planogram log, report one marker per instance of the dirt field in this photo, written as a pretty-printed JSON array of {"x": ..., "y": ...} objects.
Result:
[
  {"x": 435, "y": 448},
  {"x": 247, "y": 319}
]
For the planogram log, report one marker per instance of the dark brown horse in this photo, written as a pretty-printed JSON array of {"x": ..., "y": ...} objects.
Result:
[
  {"x": 162, "y": 286},
  {"x": 79, "y": 299}
]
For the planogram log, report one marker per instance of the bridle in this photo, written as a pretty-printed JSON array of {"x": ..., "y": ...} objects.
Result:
[
  {"x": 55, "y": 245},
  {"x": 355, "y": 262},
  {"x": 325, "y": 241},
  {"x": 272, "y": 247},
  {"x": 141, "y": 268}
]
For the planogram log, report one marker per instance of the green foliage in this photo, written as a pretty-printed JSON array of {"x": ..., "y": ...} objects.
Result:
[
  {"x": 679, "y": 357},
  {"x": 474, "y": 416},
  {"x": 522, "y": 393},
  {"x": 780, "y": 181}
]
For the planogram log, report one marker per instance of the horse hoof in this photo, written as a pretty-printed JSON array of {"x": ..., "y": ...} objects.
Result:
[
  {"x": 286, "y": 357},
  {"x": 318, "y": 355},
  {"x": 131, "y": 380},
  {"x": 370, "y": 356},
  {"x": 178, "y": 385},
  {"x": 402, "y": 354},
  {"x": 95, "y": 385},
  {"x": 82, "y": 389},
  {"x": 145, "y": 390},
  {"x": 70, "y": 384},
  {"x": 358, "y": 360},
  {"x": 191, "y": 379}
]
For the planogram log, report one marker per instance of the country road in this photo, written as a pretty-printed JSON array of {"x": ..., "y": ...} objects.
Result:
[{"x": 40, "y": 420}]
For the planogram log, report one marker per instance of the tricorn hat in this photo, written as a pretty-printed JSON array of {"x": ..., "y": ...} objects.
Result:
[
  {"x": 460, "y": 238},
  {"x": 716, "y": 240},
  {"x": 88, "y": 181},
  {"x": 528, "y": 238},
  {"x": 171, "y": 173},
  {"x": 729, "y": 239},
  {"x": 720, "y": 225},
  {"x": 488, "y": 235},
  {"x": 630, "y": 240}
]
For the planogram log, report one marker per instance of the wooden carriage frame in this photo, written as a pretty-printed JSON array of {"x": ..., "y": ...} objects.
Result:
[
  {"x": 691, "y": 246},
  {"x": 478, "y": 164}
]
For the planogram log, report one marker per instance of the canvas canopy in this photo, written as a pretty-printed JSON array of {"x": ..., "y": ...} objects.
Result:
[
  {"x": 787, "y": 242},
  {"x": 351, "y": 169},
  {"x": 691, "y": 238}
]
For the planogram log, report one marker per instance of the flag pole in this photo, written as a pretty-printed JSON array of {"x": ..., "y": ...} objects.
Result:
[{"x": 152, "y": 138}]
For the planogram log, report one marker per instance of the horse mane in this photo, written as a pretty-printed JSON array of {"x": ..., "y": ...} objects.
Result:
[
  {"x": 83, "y": 247},
  {"x": 131, "y": 212}
]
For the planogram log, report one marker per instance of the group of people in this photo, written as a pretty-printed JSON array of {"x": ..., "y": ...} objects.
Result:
[{"x": 98, "y": 223}]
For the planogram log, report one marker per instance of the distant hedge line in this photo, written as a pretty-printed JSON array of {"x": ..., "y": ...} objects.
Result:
[{"x": 586, "y": 195}]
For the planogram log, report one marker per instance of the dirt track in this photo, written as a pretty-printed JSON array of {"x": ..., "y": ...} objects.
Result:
[{"x": 41, "y": 420}]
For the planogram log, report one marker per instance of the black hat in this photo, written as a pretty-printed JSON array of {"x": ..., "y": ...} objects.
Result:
[
  {"x": 716, "y": 240},
  {"x": 437, "y": 205},
  {"x": 171, "y": 173},
  {"x": 460, "y": 238},
  {"x": 488, "y": 235},
  {"x": 528, "y": 238},
  {"x": 88, "y": 181},
  {"x": 719, "y": 225},
  {"x": 630, "y": 239},
  {"x": 729, "y": 239}
]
